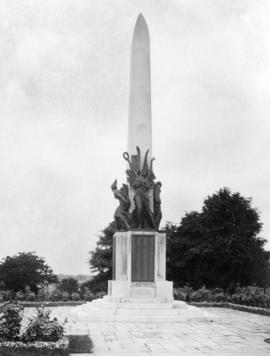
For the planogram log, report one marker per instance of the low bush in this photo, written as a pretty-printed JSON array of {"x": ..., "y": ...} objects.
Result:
[
  {"x": 57, "y": 295},
  {"x": 249, "y": 296},
  {"x": 10, "y": 323},
  {"x": 75, "y": 296},
  {"x": 41, "y": 328},
  {"x": 87, "y": 295},
  {"x": 80, "y": 344}
]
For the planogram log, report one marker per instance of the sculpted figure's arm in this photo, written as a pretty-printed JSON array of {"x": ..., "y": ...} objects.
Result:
[
  {"x": 120, "y": 196},
  {"x": 151, "y": 166},
  {"x": 126, "y": 157}
]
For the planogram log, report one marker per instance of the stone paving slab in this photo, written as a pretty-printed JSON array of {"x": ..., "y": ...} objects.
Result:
[{"x": 235, "y": 333}]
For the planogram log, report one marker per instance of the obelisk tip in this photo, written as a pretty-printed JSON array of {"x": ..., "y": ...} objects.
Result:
[
  {"x": 141, "y": 28},
  {"x": 140, "y": 20}
]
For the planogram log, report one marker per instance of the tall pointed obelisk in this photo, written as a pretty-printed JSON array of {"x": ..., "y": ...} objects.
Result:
[
  {"x": 139, "y": 124},
  {"x": 139, "y": 120},
  {"x": 139, "y": 248}
]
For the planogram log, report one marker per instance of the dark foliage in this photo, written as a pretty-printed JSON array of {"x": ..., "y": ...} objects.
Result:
[
  {"x": 249, "y": 296},
  {"x": 69, "y": 285},
  {"x": 10, "y": 323},
  {"x": 98, "y": 283},
  {"x": 80, "y": 344},
  {"x": 218, "y": 246},
  {"x": 25, "y": 269},
  {"x": 101, "y": 261},
  {"x": 31, "y": 351},
  {"x": 41, "y": 328}
]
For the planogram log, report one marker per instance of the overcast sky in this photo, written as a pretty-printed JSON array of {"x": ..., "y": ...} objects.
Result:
[{"x": 64, "y": 79}]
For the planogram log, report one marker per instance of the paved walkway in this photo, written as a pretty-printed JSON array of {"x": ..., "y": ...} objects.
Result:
[{"x": 237, "y": 333}]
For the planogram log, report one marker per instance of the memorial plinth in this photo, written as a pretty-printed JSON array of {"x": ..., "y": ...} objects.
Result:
[{"x": 139, "y": 266}]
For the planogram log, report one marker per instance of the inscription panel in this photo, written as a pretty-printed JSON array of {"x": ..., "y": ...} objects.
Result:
[{"x": 142, "y": 258}]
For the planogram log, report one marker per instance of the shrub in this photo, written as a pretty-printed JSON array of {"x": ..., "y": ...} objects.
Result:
[
  {"x": 180, "y": 294},
  {"x": 19, "y": 296},
  {"x": 58, "y": 295},
  {"x": 2, "y": 296},
  {"x": 29, "y": 295},
  {"x": 75, "y": 296},
  {"x": 41, "y": 328},
  {"x": 100, "y": 294},
  {"x": 86, "y": 294},
  {"x": 80, "y": 344},
  {"x": 40, "y": 295},
  {"x": 10, "y": 323},
  {"x": 7, "y": 295},
  {"x": 249, "y": 296},
  {"x": 201, "y": 294}
]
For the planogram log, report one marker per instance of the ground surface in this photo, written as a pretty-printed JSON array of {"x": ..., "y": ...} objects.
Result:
[{"x": 236, "y": 333}]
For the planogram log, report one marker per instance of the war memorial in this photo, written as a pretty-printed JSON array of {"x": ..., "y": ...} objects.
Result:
[{"x": 139, "y": 290}]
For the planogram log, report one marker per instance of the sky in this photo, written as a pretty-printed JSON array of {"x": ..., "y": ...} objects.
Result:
[{"x": 64, "y": 82}]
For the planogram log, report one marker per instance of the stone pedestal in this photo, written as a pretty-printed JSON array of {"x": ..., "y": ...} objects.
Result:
[
  {"x": 139, "y": 266},
  {"x": 139, "y": 291}
]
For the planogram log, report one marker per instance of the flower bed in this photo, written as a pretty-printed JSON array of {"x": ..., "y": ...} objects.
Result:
[
  {"x": 40, "y": 348},
  {"x": 51, "y": 304},
  {"x": 248, "y": 296},
  {"x": 41, "y": 335},
  {"x": 246, "y": 308}
]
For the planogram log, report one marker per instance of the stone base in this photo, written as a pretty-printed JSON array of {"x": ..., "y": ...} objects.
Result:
[
  {"x": 158, "y": 289},
  {"x": 144, "y": 310},
  {"x": 139, "y": 291}
]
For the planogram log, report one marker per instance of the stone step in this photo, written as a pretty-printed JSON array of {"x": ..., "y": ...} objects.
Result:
[
  {"x": 141, "y": 312},
  {"x": 143, "y": 300},
  {"x": 110, "y": 311},
  {"x": 134, "y": 299},
  {"x": 101, "y": 317},
  {"x": 137, "y": 306}
]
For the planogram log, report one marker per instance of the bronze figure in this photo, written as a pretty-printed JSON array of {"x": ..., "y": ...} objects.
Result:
[
  {"x": 141, "y": 181},
  {"x": 121, "y": 213},
  {"x": 157, "y": 204}
]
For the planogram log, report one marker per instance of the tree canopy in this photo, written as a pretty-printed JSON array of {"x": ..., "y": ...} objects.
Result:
[
  {"x": 101, "y": 258},
  {"x": 69, "y": 285},
  {"x": 219, "y": 245},
  {"x": 100, "y": 261},
  {"x": 216, "y": 247},
  {"x": 25, "y": 269}
]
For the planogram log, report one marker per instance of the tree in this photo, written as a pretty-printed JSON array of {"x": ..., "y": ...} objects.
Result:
[
  {"x": 219, "y": 245},
  {"x": 25, "y": 269},
  {"x": 69, "y": 285},
  {"x": 101, "y": 261}
]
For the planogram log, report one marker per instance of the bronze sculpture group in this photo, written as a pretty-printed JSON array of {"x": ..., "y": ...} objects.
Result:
[{"x": 141, "y": 182}]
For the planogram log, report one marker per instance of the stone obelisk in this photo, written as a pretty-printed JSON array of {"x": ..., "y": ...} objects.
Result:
[
  {"x": 139, "y": 124},
  {"x": 139, "y": 119},
  {"x": 139, "y": 248}
]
